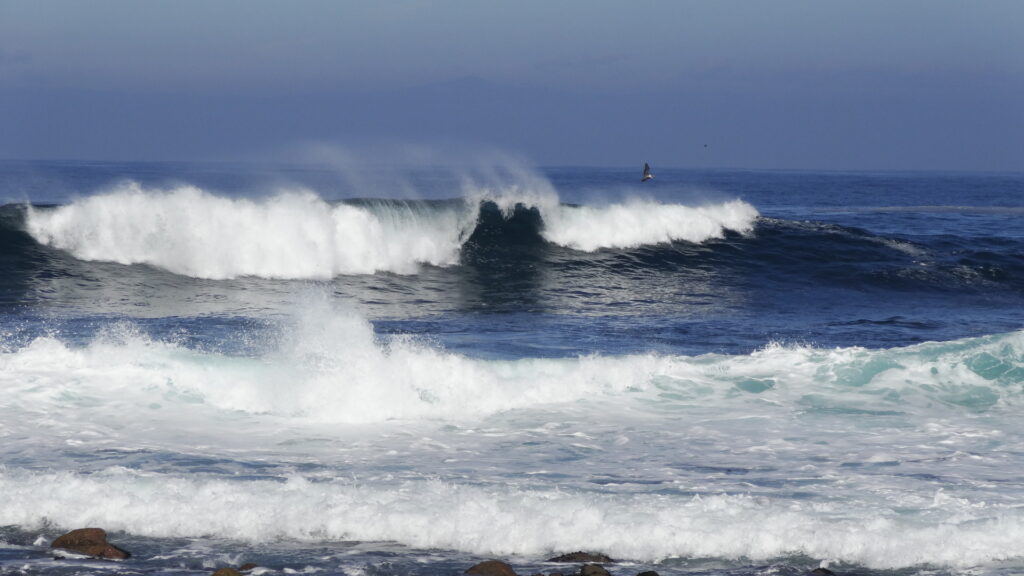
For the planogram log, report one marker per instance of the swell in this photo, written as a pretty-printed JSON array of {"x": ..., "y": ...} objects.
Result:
[{"x": 298, "y": 235}]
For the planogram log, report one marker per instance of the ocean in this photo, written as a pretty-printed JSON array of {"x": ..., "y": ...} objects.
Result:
[{"x": 408, "y": 370}]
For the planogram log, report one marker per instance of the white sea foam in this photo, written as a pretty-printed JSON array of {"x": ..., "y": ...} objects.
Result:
[
  {"x": 290, "y": 235},
  {"x": 511, "y": 520},
  {"x": 638, "y": 223},
  {"x": 329, "y": 368},
  {"x": 297, "y": 235},
  {"x": 327, "y": 365},
  {"x": 616, "y": 225},
  {"x": 745, "y": 432}
]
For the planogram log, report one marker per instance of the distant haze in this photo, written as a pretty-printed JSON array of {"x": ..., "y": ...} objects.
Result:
[{"x": 787, "y": 84}]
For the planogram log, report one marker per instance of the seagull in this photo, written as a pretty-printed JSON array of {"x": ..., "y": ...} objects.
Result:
[{"x": 647, "y": 173}]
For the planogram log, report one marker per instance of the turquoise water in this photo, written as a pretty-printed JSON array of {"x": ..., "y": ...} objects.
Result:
[{"x": 712, "y": 372}]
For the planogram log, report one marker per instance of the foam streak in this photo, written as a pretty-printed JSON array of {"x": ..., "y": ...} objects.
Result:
[{"x": 503, "y": 521}]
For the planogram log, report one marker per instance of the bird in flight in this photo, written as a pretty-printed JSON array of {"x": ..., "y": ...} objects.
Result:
[{"x": 647, "y": 173}]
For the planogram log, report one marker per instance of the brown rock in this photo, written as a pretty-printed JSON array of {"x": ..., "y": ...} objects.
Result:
[
  {"x": 593, "y": 570},
  {"x": 648, "y": 573},
  {"x": 582, "y": 557},
  {"x": 821, "y": 572},
  {"x": 491, "y": 568},
  {"x": 90, "y": 542},
  {"x": 248, "y": 566},
  {"x": 226, "y": 572}
]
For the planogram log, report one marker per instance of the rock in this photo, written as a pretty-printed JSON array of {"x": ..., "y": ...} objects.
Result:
[
  {"x": 821, "y": 572},
  {"x": 593, "y": 570},
  {"x": 248, "y": 566},
  {"x": 90, "y": 542},
  {"x": 582, "y": 557},
  {"x": 648, "y": 573},
  {"x": 226, "y": 572},
  {"x": 491, "y": 568}
]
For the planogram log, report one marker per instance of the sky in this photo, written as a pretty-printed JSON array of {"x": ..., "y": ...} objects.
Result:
[{"x": 870, "y": 85}]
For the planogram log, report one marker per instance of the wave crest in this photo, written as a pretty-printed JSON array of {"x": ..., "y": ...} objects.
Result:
[
  {"x": 328, "y": 365},
  {"x": 298, "y": 235},
  {"x": 291, "y": 235},
  {"x": 639, "y": 223}
]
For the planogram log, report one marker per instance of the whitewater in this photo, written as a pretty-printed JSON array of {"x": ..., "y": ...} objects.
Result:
[
  {"x": 795, "y": 416},
  {"x": 296, "y": 234},
  {"x": 723, "y": 373}
]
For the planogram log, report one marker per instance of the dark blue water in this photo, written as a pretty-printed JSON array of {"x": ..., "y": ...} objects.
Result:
[
  {"x": 836, "y": 259},
  {"x": 318, "y": 370}
]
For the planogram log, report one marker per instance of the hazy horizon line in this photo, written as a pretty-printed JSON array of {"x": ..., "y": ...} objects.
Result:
[{"x": 539, "y": 166}]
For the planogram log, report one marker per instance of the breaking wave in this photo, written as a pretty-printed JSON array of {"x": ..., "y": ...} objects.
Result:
[
  {"x": 330, "y": 366},
  {"x": 327, "y": 371},
  {"x": 291, "y": 235},
  {"x": 508, "y": 520},
  {"x": 298, "y": 235}
]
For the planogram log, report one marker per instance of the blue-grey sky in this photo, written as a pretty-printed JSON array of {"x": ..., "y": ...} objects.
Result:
[{"x": 927, "y": 84}]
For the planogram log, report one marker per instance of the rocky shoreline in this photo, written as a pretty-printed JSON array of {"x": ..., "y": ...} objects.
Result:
[{"x": 92, "y": 543}]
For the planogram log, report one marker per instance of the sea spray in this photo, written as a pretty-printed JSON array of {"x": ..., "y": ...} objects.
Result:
[
  {"x": 628, "y": 224},
  {"x": 327, "y": 364},
  {"x": 298, "y": 235},
  {"x": 829, "y": 453},
  {"x": 838, "y": 386},
  {"x": 290, "y": 235}
]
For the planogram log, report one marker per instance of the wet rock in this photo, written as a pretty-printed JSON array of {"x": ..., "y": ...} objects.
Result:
[
  {"x": 593, "y": 570},
  {"x": 648, "y": 573},
  {"x": 581, "y": 557},
  {"x": 226, "y": 572},
  {"x": 821, "y": 572},
  {"x": 491, "y": 568},
  {"x": 90, "y": 542},
  {"x": 248, "y": 566}
]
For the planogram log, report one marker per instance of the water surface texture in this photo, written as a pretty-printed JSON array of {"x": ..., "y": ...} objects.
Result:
[{"x": 712, "y": 372}]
